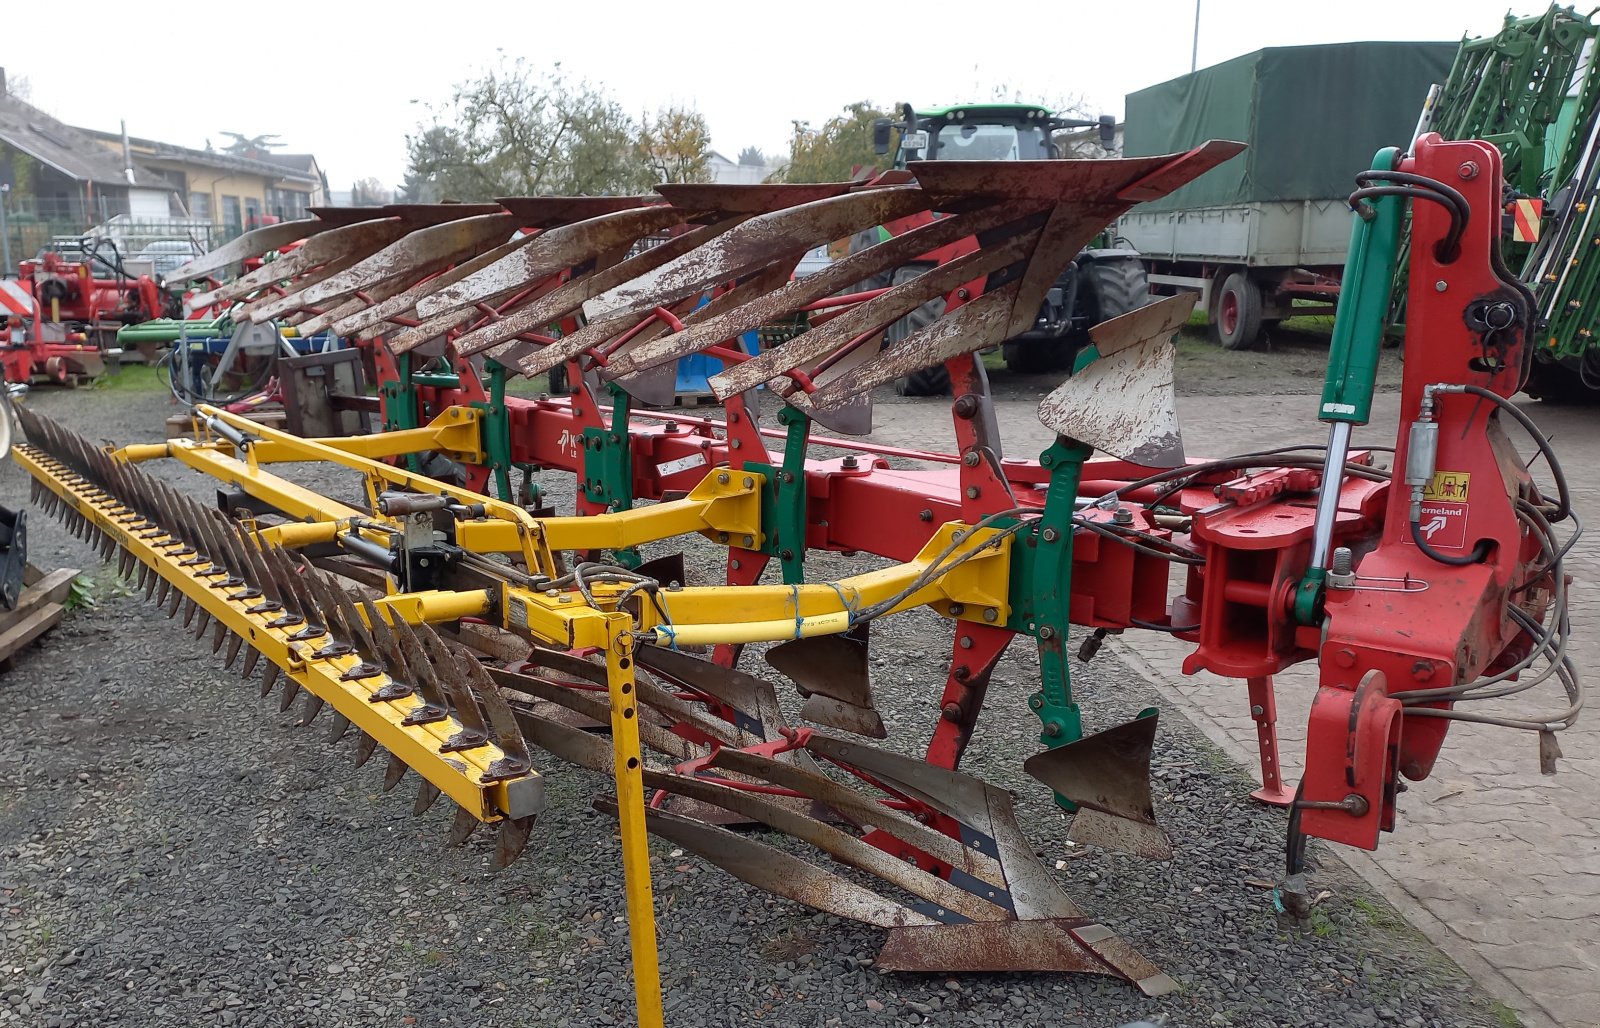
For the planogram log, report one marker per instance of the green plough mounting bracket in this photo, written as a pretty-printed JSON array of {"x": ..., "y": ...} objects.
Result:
[
  {"x": 1041, "y": 595},
  {"x": 608, "y": 465},
  {"x": 495, "y": 429},
  {"x": 783, "y": 499}
]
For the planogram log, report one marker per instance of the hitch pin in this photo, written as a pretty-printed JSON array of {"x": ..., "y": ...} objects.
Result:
[{"x": 1355, "y": 805}]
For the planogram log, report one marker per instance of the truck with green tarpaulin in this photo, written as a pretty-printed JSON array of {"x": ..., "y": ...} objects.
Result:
[{"x": 1264, "y": 236}]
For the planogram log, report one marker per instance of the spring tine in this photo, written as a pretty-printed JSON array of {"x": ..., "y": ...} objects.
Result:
[
  {"x": 174, "y": 601},
  {"x": 167, "y": 512},
  {"x": 393, "y": 772},
  {"x": 365, "y": 748},
  {"x": 299, "y": 582},
  {"x": 125, "y": 564},
  {"x": 291, "y": 689},
  {"x": 235, "y": 643},
  {"x": 269, "y": 678},
  {"x": 219, "y": 632},
  {"x": 462, "y": 827},
  {"x": 422, "y": 670},
  {"x": 341, "y": 725},
  {"x": 261, "y": 572},
  {"x": 145, "y": 582},
  {"x": 204, "y": 622},
  {"x": 310, "y": 709},
  {"x": 189, "y": 608},
  {"x": 388, "y": 653},
  {"x": 427, "y": 793},
  {"x": 161, "y": 586},
  {"x": 228, "y": 538},
  {"x": 327, "y": 592},
  {"x": 250, "y": 661},
  {"x": 317, "y": 588},
  {"x": 213, "y": 537},
  {"x": 463, "y": 705},
  {"x": 508, "y": 734},
  {"x": 363, "y": 640},
  {"x": 514, "y": 833},
  {"x": 277, "y": 568}
]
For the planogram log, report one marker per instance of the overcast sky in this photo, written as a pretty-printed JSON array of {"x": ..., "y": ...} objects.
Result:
[{"x": 352, "y": 80}]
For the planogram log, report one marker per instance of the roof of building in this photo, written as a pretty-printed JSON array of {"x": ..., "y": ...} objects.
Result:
[
  {"x": 50, "y": 142},
  {"x": 294, "y": 167},
  {"x": 298, "y": 161}
]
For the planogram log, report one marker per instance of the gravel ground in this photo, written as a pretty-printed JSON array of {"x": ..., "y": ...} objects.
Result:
[{"x": 174, "y": 852}]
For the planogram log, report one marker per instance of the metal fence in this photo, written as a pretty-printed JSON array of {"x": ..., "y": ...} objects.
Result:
[{"x": 32, "y": 228}]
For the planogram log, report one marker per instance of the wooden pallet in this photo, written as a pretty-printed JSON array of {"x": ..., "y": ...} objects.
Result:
[
  {"x": 180, "y": 426},
  {"x": 39, "y": 609}
]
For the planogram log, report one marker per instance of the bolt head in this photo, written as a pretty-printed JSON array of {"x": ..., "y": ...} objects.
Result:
[
  {"x": 990, "y": 614},
  {"x": 722, "y": 479},
  {"x": 970, "y": 458},
  {"x": 1046, "y": 632},
  {"x": 1440, "y": 286},
  {"x": 965, "y": 642},
  {"x": 749, "y": 483},
  {"x": 749, "y": 541},
  {"x": 1050, "y": 535}
]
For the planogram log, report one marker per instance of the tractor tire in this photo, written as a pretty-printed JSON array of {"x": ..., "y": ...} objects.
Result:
[
  {"x": 1237, "y": 324},
  {"x": 1560, "y": 386},
  {"x": 558, "y": 380},
  {"x": 1033, "y": 358},
  {"x": 1115, "y": 287},
  {"x": 934, "y": 381}
]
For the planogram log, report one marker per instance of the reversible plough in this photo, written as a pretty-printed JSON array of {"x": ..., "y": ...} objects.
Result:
[{"x": 466, "y": 629}]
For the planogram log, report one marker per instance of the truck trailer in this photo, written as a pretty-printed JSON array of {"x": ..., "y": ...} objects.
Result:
[{"x": 1264, "y": 236}]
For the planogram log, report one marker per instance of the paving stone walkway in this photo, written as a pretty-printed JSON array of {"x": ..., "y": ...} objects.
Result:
[{"x": 1499, "y": 865}]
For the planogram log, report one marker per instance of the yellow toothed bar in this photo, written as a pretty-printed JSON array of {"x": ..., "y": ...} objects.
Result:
[{"x": 336, "y": 675}]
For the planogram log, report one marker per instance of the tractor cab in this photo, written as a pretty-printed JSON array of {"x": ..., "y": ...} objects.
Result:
[
  {"x": 1103, "y": 282},
  {"x": 979, "y": 132}
]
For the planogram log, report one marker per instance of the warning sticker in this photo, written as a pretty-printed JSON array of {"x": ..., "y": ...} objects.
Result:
[
  {"x": 1444, "y": 524},
  {"x": 1448, "y": 485}
]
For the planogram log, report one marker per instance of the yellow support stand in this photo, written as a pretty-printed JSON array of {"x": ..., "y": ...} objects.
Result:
[{"x": 628, "y": 772}]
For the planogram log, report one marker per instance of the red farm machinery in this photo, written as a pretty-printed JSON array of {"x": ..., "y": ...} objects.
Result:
[{"x": 448, "y": 616}]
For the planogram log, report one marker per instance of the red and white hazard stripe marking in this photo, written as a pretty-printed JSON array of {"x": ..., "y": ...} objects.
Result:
[
  {"x": 15, "y": 299},
  {"x": 1525, "y": 220}
]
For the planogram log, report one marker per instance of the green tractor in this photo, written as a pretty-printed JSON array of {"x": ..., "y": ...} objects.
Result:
[{"x": 1101, "y": 283}]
